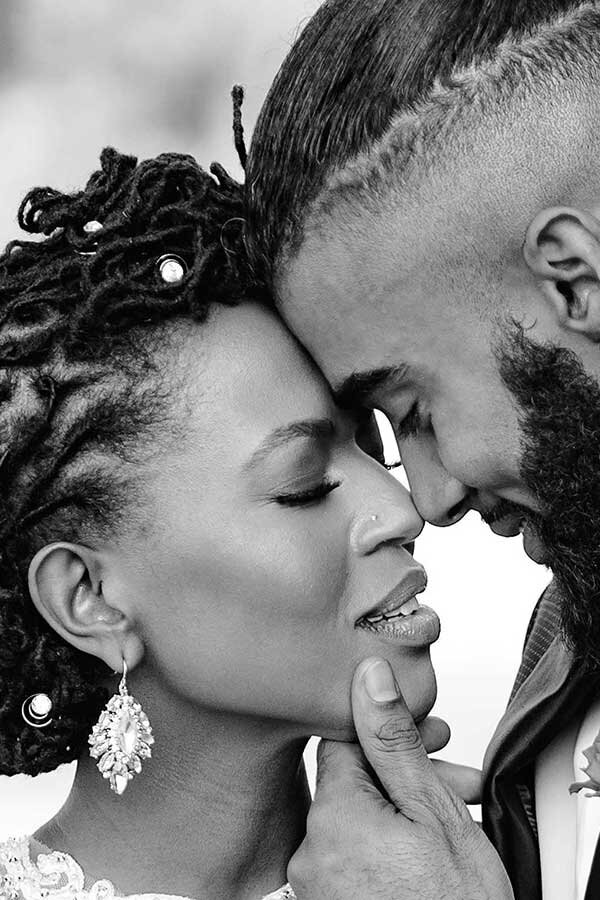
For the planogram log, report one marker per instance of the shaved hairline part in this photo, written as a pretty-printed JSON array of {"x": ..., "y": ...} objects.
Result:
[{"x": 532, "y": 100}]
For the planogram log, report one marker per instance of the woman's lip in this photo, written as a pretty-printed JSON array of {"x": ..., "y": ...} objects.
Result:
[
  {"x": 419, "y": 629},
  {"x": 413, "y": 582}
]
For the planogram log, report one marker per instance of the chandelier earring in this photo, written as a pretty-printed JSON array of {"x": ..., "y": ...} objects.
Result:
[{"x": 121, "y": 738}]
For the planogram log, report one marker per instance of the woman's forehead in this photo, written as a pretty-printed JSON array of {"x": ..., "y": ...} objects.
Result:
[{"x": 246, "y": 375}]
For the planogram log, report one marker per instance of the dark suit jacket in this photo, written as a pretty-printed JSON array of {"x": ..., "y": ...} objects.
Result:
[{"x": 550, "y": 691}]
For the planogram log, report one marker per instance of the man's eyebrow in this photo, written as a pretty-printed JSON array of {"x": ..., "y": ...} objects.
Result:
[
  {"x": 357, "y": 390},
  {"x": 318, "y": 429}
]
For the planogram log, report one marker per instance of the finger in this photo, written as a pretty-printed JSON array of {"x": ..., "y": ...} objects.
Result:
[
  {"x": 390, "y": 739},
  {"x": 337, "y": 765},
  {"x": 345, "y": 789},
  {"x": 342, "y": 771},
  {"x": 435, "y": 733},
  {"x": 463, "y": 780}
]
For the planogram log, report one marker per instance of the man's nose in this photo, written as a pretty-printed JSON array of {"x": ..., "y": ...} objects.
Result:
[{"x": 440, "y": 497}]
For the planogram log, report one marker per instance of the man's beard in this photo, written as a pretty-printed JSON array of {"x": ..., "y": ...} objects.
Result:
[{"x": 560, "y": 420}]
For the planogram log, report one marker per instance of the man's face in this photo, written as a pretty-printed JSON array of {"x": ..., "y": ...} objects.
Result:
[
  {"x": 480, "y": 408},
  {"x": 388, "y": 333}
]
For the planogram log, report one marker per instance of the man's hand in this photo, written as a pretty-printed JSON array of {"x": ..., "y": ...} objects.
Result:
[{"x": 383, "y": 825}]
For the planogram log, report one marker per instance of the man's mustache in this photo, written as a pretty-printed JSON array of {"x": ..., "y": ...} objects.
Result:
[{"x": 504, "y": 509}]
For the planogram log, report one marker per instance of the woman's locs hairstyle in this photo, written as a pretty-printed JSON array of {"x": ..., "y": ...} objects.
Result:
[
  {"x": 237, "y": 96},
  {"x": 85, "y": 308}
]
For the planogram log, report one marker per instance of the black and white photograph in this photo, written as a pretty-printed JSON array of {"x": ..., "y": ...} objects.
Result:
[{"x": 300, "y": 450}]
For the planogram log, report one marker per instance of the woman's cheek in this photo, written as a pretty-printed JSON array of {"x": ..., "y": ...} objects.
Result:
[{"x": 311, "y": 565}]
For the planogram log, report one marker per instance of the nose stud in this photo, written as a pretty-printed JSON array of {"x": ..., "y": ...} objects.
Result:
[{"x": 373, "y": 518}]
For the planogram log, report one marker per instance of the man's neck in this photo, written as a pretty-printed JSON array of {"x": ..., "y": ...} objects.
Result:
[{"x": 217, "y": 812}]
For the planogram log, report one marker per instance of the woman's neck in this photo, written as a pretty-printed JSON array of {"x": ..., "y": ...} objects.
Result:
[{"x": 217, "y": 812}]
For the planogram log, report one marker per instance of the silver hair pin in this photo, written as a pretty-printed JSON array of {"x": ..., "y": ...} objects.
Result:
[
  {"x": 36, "y": 710},
  {"x": 171, "y": 268},
  {"x": 90, "y": 227}
]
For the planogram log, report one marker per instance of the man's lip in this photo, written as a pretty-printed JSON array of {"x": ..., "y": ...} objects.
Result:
[
  {"x": 533, "y": 546},
  {"x": 531, "y": 542},
  {"x": 507, "y": 527},
  {"x": 413, "y": 582}
]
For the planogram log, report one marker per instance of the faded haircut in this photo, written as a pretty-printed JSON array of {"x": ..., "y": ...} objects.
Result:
[
  {"x": 474, "y": 106},
  {"x": 375, "y": 87}
]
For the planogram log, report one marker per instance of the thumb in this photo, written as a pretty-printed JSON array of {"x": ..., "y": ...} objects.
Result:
[{"x": 390, "y": 739}]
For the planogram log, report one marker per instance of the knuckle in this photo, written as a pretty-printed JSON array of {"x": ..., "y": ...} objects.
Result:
[
  {"x": 430, "y": 798},
  {"x": 398, "y": 732},
  {"x": 456, "y": 812},
  {"x": 452, "y": 820},
  {"x": 467, "y": 834}
]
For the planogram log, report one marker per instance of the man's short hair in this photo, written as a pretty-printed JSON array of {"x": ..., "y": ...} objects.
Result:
[{"x": 357, "y": 67}]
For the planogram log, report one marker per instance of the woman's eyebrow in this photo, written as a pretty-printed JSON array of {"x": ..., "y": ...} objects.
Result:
[
  {"x": 318, "y": 429},
  {"x": 357, "y": 389}
]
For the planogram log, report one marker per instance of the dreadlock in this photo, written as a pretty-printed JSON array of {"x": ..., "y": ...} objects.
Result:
[
  {"x": 237, "y": 96},
  {"x": 80, "y": 308}
]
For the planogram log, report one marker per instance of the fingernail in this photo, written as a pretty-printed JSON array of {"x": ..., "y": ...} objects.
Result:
[{"x": 380, "y": 682}]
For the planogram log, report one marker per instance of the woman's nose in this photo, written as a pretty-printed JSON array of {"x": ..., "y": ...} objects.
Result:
[{"x": 393, "y": 520}]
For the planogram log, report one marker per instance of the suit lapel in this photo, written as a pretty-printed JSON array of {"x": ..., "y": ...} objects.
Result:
[
  {"x": 543, "y": 627},
  {"x": 593, "y": 885},
  {"x": 521, "y": 723},
  {"x": 550, "y": 691}
]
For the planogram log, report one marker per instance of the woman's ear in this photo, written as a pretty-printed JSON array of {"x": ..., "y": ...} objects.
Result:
[
  {"x": 66, "y": 589},
  {"x": 562, "y": 249}
]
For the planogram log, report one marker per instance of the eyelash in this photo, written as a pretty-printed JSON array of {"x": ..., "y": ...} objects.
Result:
[
  {"x": 411, "y": 424},
  {"x": 307, "y": 498}
]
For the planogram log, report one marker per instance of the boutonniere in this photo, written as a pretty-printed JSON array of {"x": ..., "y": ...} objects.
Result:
[{"x": 592, "y": 770}]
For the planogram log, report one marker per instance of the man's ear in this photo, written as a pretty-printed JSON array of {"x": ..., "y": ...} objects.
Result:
[
  {"x": 562, "y": 249},
  {"x": 66, "y": 589}
]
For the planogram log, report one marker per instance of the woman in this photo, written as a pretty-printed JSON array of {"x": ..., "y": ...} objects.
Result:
[{"x": 183, "y": 505}]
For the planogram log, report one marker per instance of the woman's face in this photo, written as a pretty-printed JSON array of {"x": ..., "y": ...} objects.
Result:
[{"x": 270, "y": 536}]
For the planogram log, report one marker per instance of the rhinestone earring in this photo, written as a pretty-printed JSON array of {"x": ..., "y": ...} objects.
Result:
[{"x": 121, "y": 738}]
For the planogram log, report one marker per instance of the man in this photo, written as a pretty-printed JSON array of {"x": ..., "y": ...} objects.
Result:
[{"x": 424, "y": 196}]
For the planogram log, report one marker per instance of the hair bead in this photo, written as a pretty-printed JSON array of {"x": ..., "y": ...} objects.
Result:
[
  {"x": 172, "y": 268},
  {"x": 36, "y": 710},
  {"x": 64, "y": 366}
]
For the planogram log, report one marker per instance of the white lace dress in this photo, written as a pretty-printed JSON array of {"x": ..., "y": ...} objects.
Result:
[{"x": 56, "y": 876}]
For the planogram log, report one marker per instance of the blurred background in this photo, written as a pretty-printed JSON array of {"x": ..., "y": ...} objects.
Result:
[{"x": 148, "y": 77}]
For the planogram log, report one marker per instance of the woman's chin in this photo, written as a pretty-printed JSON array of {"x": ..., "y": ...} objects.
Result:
[
  {"x": 417, "y": 681},
  {"x": 419, "y": 692}
]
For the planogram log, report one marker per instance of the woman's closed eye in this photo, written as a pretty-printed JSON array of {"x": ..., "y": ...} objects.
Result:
[{"x": 308, "y": 496}]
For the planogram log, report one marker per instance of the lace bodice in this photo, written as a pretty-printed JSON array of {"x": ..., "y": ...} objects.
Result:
[{"x": 56, "y": 876}]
